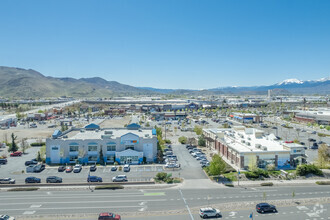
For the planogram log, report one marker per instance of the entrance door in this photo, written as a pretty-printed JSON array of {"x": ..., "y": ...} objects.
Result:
[{"x": 129, "y": 160}]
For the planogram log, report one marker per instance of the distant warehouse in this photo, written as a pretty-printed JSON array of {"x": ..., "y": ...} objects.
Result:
[
  {"x": 242, "y": 147},
  {"x": 131, "y": 145}
]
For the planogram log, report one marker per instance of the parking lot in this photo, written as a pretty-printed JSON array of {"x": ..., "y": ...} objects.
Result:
[{"x": 190, "y": 168}]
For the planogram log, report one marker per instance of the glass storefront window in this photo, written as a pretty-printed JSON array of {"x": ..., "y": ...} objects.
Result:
[{"x": 92, "y": 148}]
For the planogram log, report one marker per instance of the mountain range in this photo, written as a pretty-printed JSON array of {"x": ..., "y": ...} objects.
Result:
[{"x": 28, "y": 83}]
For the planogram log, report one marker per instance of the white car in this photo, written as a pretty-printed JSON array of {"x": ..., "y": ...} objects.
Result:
[
  {"x": 209, "y": 212},
  {"x": 119, "y": 178},
  {"x": 127, "y": 168},
  {"x": 172, "y": 165},
  {"x": 6, "y": 217},
  {"x": 77, "y": 168},
  {"x": 7, "y": 181}
]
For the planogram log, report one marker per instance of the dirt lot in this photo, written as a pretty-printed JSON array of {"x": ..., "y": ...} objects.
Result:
[{"x": 43, "y": 132}]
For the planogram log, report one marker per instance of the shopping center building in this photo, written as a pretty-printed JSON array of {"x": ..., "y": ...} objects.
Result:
[{"x": 242, "y": 147}]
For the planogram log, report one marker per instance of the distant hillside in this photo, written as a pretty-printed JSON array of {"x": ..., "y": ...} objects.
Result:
[{"x": 22, "y": 83}]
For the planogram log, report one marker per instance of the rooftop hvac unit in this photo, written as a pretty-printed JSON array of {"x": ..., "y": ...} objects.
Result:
[
  {"x": 248, "y": 143},
  {"x": 258, "y": 145},
  {"x": 249, "y": 138},
  {"x": 108, "y": 132},
  {"x": 264, "y": 148},
  {"x": 146, "y": 135},
  {"x": 105, "y": 136},
  {"x": 243, "y": 141}
]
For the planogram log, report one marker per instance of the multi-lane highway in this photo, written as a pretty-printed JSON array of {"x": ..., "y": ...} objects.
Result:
[{"x": 177, "y": 202}]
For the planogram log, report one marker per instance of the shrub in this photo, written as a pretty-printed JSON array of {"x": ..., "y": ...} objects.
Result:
[
  {"x": 229, "y": 185},
  {"x": 112, "y": 187},
  {"x": 183, "y": 140},
  {"x": 24, "y": 189},
  {"x": 323, "y": 182},
  {"x": 267, "y": 184},
  {"x": 162, "y": 176},
  {"x": 167, "y": 141},
  {"x": 305, "y": 169},
  {"x": 120, "y": 168},
  {"x": 258, "y": 173},
  {"x": 35, "y": 144},
  {"x": 169, "y": 180}
]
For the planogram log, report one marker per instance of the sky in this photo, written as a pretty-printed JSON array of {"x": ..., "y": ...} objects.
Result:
[{"x": 175, "y": 44}]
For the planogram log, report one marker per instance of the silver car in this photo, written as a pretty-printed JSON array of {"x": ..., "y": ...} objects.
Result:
[
  {"x": 209, "y": 212},
  {"x": 7, "y": 181}
]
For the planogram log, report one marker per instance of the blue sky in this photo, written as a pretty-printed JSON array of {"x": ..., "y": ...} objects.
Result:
[{"x": 169, "y": 44}]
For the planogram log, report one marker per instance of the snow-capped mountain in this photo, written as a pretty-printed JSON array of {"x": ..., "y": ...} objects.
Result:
[{"x": 290, "y": 81}]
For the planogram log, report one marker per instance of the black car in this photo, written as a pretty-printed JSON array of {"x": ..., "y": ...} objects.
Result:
[
  {"x": 32, "y": 179},
  {"x": 31, "y": 162},
  {"x": 93, "y": 168},
  {"x": 94, "y": 179},
  {"x": 311, "y": 140},
  {"x": 61, "y": 169},
  {"x": 265, "y": 207},
  {"x": 54, "y": 179},
  {"x": 315, "y": 146},
  {"x": 3, "y": 161}
]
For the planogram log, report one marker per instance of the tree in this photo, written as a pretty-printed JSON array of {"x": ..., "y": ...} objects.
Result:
[
  {"x": 252, "y": 163},
  {"x": 323, "y": 158},
  {"x": 198, "y": 130},
  {"x": 39, "y": 159},
  {"x": 13, "y": 146},
  {"x": 182, "y": 140},
  {"x": 24, "y": 145},
  {"x": 101, "y": 157},
  {"x": 217, "y": 165},
  {"x": 201, "y": 141}
]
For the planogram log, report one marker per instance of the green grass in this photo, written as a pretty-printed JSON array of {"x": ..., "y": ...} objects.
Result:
[
  {"x": 112, "y": 187},
  {"x": 23, "y": 189},
  {"x": 323, "y": 182},
  {"x": 231, "y": 176}
]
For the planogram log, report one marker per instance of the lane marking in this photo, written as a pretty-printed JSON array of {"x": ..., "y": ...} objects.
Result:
[
  {"x": 191, "y": 216},
  {"x": 29, "y": 212}
]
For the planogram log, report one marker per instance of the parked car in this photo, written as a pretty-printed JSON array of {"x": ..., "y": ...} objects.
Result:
[
  {"x": 311, "y": 140},
  {"x": 6, "y": 217},
  {"x": 119, "y": 178},
  {"x": 31, "y": 162},
  {"x": 61, "y": 169},
  {"x": 314, "y": 146},
  {"x": 3, "y": 161},
  {"x": 265, "y": 207},
  {"x": 33, "y": 126},
  {"x": 16, "y": 154},
  {"x": 7, "y": 181},
  {"x": 77, "y": 168},
  {"x": 92, "y": 168},
  {"x": 32, "y": 179},
  {"x": 127, "y": 168},
  {"x": 172, "y": 165},
  {"x": 68, "y": 169},
  {"x": 209, "y": 212},
  {"x": 313, "y": 132},
  {"x": 109, "y": 216},
  {"x": 113, "y": 168},
  {"x": 54, "y": 179},
  {"x": 94, "y": 179}
]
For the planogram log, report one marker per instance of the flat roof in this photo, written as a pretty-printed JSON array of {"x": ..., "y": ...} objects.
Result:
[{"x": 115, "y": 134}]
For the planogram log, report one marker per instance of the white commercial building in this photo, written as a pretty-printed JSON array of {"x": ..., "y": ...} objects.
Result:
[{"x": 130, "y": 145}]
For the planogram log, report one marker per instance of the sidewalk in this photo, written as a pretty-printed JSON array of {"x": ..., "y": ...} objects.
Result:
[{"x": 278, "y": 182}]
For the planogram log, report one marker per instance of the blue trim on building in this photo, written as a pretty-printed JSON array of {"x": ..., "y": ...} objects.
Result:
[{"x": 48, "y": 160}]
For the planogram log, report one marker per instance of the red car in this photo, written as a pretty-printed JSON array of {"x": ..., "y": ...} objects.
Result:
[
  {"x": 109, "y": 216},
  {"x": 16, "y": 154},
  {"x": 289, "y": 142},
  {"x": 68, "y": 169}
]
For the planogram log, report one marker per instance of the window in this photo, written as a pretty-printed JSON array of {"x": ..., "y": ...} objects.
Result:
[
  {"x": 92, "y": 148},
  {"x": 92, "y": 158},
  {"x": 73, "y": 158},
  {"x": 129, "y": 147},
  {"x": 111, "y": 148},
  {"x": 73, "y": 148}
]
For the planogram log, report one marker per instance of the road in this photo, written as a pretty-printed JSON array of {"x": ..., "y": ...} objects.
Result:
[{"x": 176, "y": 202}]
